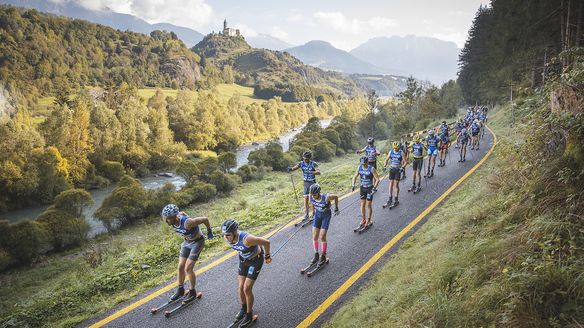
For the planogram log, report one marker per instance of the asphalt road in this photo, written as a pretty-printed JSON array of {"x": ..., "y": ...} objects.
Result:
[{"x": 283, "y": 297}]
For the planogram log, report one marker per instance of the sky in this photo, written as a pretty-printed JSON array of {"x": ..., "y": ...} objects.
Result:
[{"x": 345, "y": 24}]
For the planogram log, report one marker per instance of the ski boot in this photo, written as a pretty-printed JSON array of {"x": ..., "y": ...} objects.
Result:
[
  {"x": 388, "y": 202},
  {"x": 180, "y": 291},
  {"x": 412, "y": 188},
  {"x": 432, "y": 173},
  {"x": 394, "y": 204},
  {"x": 191, "y": 295},
  {"x": 241, "y": 312},
  {"x": 322, "y": 260},
  {"x": 315, "y": 258}
]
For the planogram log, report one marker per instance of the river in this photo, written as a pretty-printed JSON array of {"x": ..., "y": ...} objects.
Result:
[{"x": 151, "y": 182}]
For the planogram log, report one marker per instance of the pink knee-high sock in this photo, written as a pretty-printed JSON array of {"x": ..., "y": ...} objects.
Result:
[
  {"x": 315, "y": 244},
  {"x": 323, "y": 246}
]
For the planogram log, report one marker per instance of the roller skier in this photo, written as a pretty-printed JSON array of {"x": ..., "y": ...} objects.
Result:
[
  {"x": 309, "y": 171},
  {"x": 418, "y": 154},
  {"x": 370, "y": 151},
  {"x": 397, "y": 160},
  {"x": 369, "y": 180},
  {"x": 252, "y": 253},
  {"x": 432, "y": 144}
]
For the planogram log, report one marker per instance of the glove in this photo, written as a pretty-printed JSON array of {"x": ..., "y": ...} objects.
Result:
[
  {"x": 353, "y": 188},
  {"x": 374, "y": 190},
  {"x": 336, "y": 210},
  {"x": 209, "y": 234},
  {"x": 289, "y": 169}
]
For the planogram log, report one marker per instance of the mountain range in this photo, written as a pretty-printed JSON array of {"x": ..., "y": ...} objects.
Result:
[{"x": 422, "y": 57}]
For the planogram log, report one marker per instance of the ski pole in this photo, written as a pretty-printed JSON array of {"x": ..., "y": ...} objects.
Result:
[
  {"x": 287, "y": 240},
  {"x": 294, "y": 188}
]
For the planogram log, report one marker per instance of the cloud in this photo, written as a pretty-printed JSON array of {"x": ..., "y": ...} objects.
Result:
[
  {"x": 188, "y": 13},
  {"x": 246, "y": 31},
  {"x": 279, "y": 33},
  {"x": 339, "y": 22},
  {"x": 295, "y": 18},
  {"x": 456, "y": 37}
]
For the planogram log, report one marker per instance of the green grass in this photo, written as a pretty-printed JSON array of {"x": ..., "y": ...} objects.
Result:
[
  {"x": 226, "y": 91},
  {"x": 147, "y": 93},
  {"x": 64, "y": 290}
]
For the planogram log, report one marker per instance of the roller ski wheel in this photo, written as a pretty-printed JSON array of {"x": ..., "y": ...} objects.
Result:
[{"x": 387, "y": 204}]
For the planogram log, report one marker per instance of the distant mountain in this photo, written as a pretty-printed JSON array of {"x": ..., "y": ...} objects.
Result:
[
  {"x": 267, "y": 42},
  {"x": 109, "y": 18},
  {"x": 273, "y": 73},
  {"x": 424, "y": 58},
  {"x": 324, "y": 55}
]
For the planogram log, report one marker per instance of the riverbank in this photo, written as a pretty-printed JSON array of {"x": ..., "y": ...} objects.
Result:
[{"x": 113, "y": 268}]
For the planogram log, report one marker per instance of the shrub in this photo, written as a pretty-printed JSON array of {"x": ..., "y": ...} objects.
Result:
[
  {"x": 197, "y": 192},
  {"x": 137, "y": 161},
  {"x": 206, "y": 167},
  {"x": 324, "y": 150},
  {"x": 223, "y": 182},
  {"x": 73, "y": 201},
  {"x": 26, "y": 240},
  {"x": 112, "y": 170},
  {"x": 188, "y": 170},
  {"x": 158, "y": 198},
  {"x": 65, "y": 230},
  {"x": 227, "y": 161},
  {"x": 258, "y": 157},
  {"x": 250, "y": 172},
  {"x": 126, "y": 203}
]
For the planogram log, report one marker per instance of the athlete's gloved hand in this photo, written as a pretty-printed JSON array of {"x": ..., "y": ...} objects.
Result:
[
  {"x": 353, "y": 188},
  {"x": 374, "y": 190},
  {"x": 289, "y": 169},
  {"x": 209, "y": 234},
  {"x": 336, "y": 210}
]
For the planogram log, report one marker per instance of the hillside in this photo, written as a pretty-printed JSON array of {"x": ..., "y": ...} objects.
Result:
[
  {"x": 273, "y": 73},
  {"x": 384, "y": 85},
  {"x": 323, "y": 55},
  {"x": 424, "y": 58},
  {"x": 122, "y": 22},
  {"x": 42, "y": 52}
]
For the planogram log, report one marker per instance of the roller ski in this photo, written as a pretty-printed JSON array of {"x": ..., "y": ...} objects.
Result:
[
  {"x": 311, "y": 265},
  {"x": 391, "y": 204},
  {"x": 365, "y": 227},
  {"x": 412, "y": 188},
  {"x": 360, "y": 226},
  {"x": 305, "y": 221},
  {"x": 180, "y": 293},
  {"x": 321, "y": 263},
  {"x": 430, "y": 174},
  {"x": 242, "y": 320},
  {"x": 418, "y": 189},
  {"x": 186, "y": 300}
]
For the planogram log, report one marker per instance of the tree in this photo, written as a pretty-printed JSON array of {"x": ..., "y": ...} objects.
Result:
[
  {"x": 412, "y": 92},
  {"x": 227, "y": 161},
  {"x": 127, "y": 203}
]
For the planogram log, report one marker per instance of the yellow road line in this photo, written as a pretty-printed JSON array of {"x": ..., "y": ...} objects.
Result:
[
  {"x": 207, "y": 267},
  {"x": 349, "y": 282}
]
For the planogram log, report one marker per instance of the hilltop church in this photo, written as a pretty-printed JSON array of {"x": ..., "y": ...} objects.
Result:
[{"x": 229, "y": 31}]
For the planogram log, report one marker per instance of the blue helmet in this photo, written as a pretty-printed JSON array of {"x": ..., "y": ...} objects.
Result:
[
  {"x": 363, "y": 160},
  {"x": 169, "y": 210},
  {"x": 229, "y": 227},
  {"x": 314, "y": 189}
]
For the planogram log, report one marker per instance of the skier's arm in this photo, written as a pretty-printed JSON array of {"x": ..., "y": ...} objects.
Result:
[
  {"x": 359, "y": 151},
  {"x": 386, "y": 159},
  {"x": 354, "y": 178},
  {"x": 316, "y": 170},
  {"x": 259, "y": 241},
  {"x": 193, "y": 222}
]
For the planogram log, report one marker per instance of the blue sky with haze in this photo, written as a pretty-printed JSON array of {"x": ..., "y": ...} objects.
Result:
[{"x": 346, "y": 24}]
